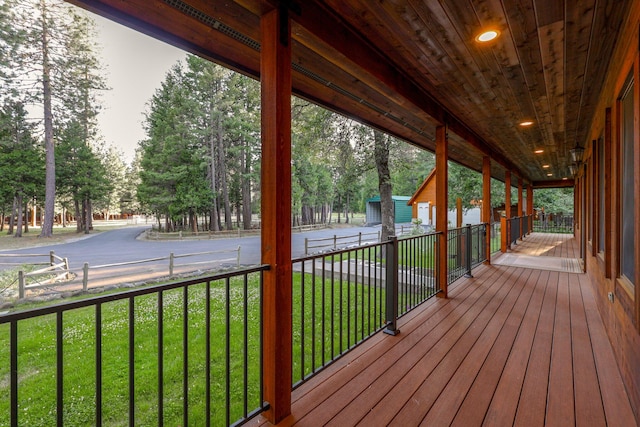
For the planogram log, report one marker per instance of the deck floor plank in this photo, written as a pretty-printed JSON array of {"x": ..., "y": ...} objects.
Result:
[
  {"x": 499, "y": 333},
  {"x": 588, "y": 402},
  {"x": 408, "y": 370},
  {"x": 511, "y": 346},
  {"x": 534, "y": 389},
  {"x": 560, "y": 400},
  {"x": 444, "y": 365},
  {"x": 503, "y": 403},
  {"x": 485, "y": 385}
]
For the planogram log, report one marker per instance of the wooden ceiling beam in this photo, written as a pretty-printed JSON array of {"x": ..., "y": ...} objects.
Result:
[
  {"x": 558, "y": 183},
  {"x": 322, "y": 23}
]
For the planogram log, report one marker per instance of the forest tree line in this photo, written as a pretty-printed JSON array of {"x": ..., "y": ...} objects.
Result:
[{"x": 199, "y": 165}]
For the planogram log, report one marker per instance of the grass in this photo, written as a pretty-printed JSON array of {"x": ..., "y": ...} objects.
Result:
[
  {"x": 37, "y": 360},
  {"x": 338, "y": 314}
]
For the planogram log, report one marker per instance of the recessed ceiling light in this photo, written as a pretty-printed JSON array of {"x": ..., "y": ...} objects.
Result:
[
  {"x": 526, "y": 123},
  {"x": 487, "y": 36},
  {"x": 549, "y": 174},
  {"x": 565, "y": 178},
  {"x": 539, "y": 151},
  {"x": 545, "y": 166}
]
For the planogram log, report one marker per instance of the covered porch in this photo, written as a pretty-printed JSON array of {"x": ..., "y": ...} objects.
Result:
[{"x": 510, "y": 346}]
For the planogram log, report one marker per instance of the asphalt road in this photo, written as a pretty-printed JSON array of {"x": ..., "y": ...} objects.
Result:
[{"x": 122, "y": 245}]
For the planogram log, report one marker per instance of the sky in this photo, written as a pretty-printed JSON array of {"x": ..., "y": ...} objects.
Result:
[{"x": 135, "y": 65}]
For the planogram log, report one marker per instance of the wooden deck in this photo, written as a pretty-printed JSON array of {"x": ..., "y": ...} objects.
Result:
[
  {"x": 548, "y": 244},
  {"x": 511, "y": 346}
]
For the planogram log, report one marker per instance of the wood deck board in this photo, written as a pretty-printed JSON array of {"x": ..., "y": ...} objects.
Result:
[
  {"x": 560, "y": 401},
  {"x": 446, "y": 364},
  {"x": 501, "y": 328},
  {"x": 588, "y": 402},
  {"x": 407, "y": 371},
  {"x": 548, "y": 244},
  {"x": 511, "y": 346},
  {"x": 504, "y": 371}
]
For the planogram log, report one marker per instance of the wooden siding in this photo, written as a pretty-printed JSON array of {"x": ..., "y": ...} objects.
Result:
[{"x": 510, "y": 346}]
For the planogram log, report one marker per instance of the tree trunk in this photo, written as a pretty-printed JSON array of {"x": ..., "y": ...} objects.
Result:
[
  {"x": 89, "y": 215},
  {"x": 26, "y": 216},
  {"x": 381, "y": 152},
  {"x": 12, "y": 218},
  {"x": 18, "y": 203},
  {"x": 346, "y": 210},
  {"x": 79, "y": 216},
  {"x": 222, "y": 171},
  {"x": 213, "y": 212},
  {"x": 246, "y": 189},
  {"x": 50, "y": 162}
]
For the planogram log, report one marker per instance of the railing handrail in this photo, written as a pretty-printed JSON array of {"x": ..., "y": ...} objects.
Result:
[{"x": 88, "y": 302}]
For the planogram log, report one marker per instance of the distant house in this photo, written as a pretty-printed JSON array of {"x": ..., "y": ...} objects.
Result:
[
  {"x": 423, "y": 205},
  {"x": 401, "y": 208},
  {"x": 423, "y": 201}
]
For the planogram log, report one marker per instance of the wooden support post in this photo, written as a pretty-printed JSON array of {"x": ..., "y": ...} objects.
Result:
[
  {"x": 530, "y": 206},
  {"x": 520, "y": 205},
  {"x": 507, "y": 204},
  {"x": 487, "y": 216},
  {"x": 442, "y": 195},
  {"x": 275, "y": 74}
]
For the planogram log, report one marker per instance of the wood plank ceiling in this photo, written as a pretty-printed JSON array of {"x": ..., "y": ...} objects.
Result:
[{"x": 406, "y": 66}]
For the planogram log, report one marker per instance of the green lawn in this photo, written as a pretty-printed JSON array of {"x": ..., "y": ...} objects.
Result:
[{"x": 351, "y": 313}]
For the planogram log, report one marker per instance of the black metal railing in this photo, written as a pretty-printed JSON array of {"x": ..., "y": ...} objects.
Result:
[
  {"x": 338, "y": 301},
  {"x": 514, "y": 230},
  {"x": 417, "y": 260},
  {"x": 183, "y": 353},
  {"x": 496, "y": 233},
  {"x": 341, "y": 299},
  {"x": 466, "y": 249},
  {"x": 555, "y": 224}
]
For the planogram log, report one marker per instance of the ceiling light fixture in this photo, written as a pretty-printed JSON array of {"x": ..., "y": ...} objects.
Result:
[
  {"x": 549, "y": 174},
  {"x": 545, "y": 166},
  {"x": 487, "y": 36},
  {"x": 526, "y": 123},
  {"x": 539, "y": 151}
]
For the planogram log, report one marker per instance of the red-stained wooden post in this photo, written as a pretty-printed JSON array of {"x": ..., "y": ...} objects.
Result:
[
  {"x": 530, "y": 206},
  {"x": 275, "y": 72},
  {"x": 520, "y": 207},
  {"x": 487, "y": 217},
  {"x": 442, "y": 195},
  {"x": 507, "y": 206}
]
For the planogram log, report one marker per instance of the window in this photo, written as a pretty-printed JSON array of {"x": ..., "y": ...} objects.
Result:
[
  {"x": 601, "y": 197},
  {"x": 627, "y": 231}
]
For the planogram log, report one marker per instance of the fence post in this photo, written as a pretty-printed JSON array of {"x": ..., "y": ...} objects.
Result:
[
  {"x": 306, "y": 246},
  {"x": 391, "y": 285},
  {"x": 66, "y": 267},
  {"x": 171, "y": 264},
  {"x": 467, "y": 250},
  {"x": 360, "y": 238},
  {"x": 238, "y": 260},
  {"x": 85, "y": 276},
  {"x": 20, "y": 284},
  {"x": 51, "y": 258},
  {"x": 335, "y": 241}
]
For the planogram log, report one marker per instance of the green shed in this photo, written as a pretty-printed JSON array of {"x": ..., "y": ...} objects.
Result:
[{"x": 402, "y": 212}]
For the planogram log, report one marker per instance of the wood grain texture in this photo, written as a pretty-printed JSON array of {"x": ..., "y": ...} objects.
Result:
[{"x": 509, "y": 346}]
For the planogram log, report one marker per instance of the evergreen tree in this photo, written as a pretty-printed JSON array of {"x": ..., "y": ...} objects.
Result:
[
  {"x": 55, "y": 66},
  {"x": 20, "y": 165}
]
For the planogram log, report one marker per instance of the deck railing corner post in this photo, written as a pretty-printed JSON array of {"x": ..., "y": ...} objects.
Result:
[
  {"x": 391, "y": 285},
  {"x": 467, "y": 250}
]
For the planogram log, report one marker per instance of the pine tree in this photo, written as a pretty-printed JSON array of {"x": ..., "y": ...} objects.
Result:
[{"x": 54, "y": 66}]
